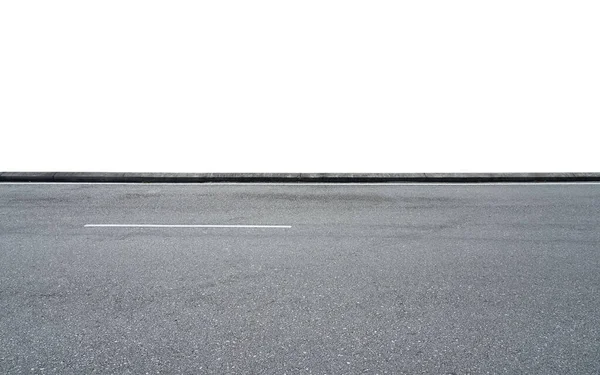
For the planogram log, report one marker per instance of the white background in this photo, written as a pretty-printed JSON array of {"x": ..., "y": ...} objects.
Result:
[{"x": 299, "y": 86}]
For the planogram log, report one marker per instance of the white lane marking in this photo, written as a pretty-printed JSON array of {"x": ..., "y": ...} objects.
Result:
[
  {"x": 183, "y": 226},
  {"x": 308, "y": 183}
]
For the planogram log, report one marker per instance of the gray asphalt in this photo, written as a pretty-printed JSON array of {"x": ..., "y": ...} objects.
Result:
[{"x": 454, "y": 279}]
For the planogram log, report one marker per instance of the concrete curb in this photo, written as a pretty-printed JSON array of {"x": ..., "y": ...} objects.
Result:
[{"x": 293, "y": 177}]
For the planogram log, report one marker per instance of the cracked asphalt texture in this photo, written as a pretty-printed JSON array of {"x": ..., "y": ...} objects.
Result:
[{"x": 452, "y": 279}]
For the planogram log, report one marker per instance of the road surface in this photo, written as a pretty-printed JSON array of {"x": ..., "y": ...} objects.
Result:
[{"x": 300, "y": 279}]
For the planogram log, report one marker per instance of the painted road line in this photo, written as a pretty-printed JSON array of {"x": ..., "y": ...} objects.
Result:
[{"x": 185, "y": 226}]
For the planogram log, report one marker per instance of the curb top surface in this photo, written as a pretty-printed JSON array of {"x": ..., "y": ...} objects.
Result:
[{"x": 293, "y": 177}]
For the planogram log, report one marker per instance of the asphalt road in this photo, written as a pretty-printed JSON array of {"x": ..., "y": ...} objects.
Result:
[{"x": 449, "y": 279}]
